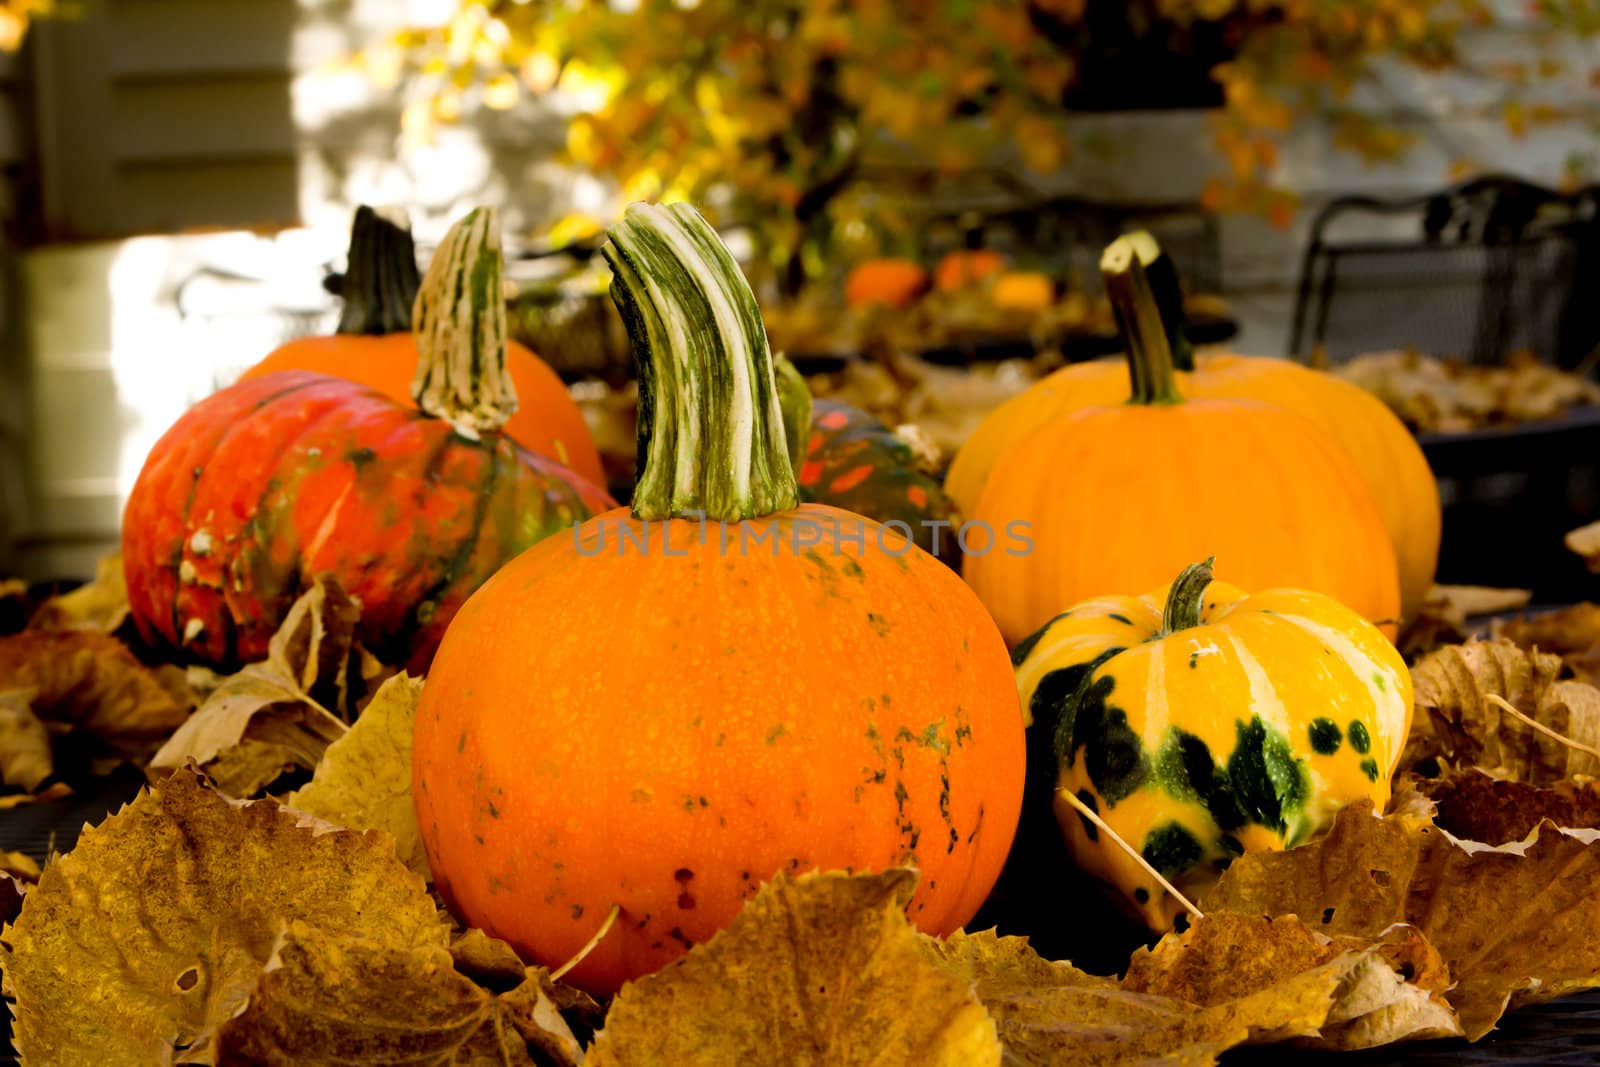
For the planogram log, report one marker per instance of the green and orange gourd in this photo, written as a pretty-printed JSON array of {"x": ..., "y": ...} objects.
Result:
[
  {"x": 1116, "y": 496},
  {"x": 1374, "y": 439},
  {"x": 1200, "y": 722},
  {"x": 374, "y": 345},
  {"x": 660, "y": 712},
  {"x": 281, "y": 477}
]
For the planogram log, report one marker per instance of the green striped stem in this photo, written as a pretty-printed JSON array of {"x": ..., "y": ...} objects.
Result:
[
  {"x": 794, "y": 398},
  {"x": 460, "y": 324},
  {"x": 1139, "y": 320},
  {"x": 711, "y": 432},
  {"x": 380, "y": 276}
]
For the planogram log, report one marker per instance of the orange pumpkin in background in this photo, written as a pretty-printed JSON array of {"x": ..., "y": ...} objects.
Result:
[
  {"x": 1118, "y": 498},
  {"x": 891, "y": 283},
  {"x": 658, "y": 713},
  {"x": 374, "y": 346},
  {"x": 1375, "y": 440},
  {"x": 966, "y": 267}
]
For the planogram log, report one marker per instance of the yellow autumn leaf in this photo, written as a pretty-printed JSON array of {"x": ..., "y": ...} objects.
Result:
[
  {"x": 363, "y": 780},
  {"x": 823, "y": 969},
  {"x": 25, "y": 759},
  {"x": 326, "y": 1002},
  {"x": 155, "y": 928},
  {"x": 100, "y": 606}
]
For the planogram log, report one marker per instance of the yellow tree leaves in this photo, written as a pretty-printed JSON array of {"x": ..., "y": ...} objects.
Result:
[
  {"x": 364, "y": 778},
  {"x": 825, "y": 969},
  {"x": 154, "y": 930}
]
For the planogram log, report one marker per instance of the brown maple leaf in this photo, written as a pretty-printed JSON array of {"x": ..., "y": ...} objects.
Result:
[
  {"x": 1442, "y": 619},
  {"x": 1515, "y": 924}
]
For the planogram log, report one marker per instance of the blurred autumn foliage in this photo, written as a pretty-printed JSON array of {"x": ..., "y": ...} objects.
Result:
[
  {"x": 14, "y": 18},
  {"x": 771, "y": 112}
]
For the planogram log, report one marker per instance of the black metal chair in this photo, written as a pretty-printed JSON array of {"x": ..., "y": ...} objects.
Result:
[{"x": 1476, "y": 271}]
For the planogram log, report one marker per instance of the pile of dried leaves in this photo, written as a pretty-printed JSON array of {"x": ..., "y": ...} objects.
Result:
[
  {"x": 1439, "y": 395},
  {"x": 266, "y": 899}
]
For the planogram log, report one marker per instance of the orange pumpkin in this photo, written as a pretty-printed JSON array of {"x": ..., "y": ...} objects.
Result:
[
  {"x": 892, "y": 283},
  {"x": 1117, "y": 498},
  {"x": 966, "y": 267},
  {"x": 660, "y": 712},
  {"x": 374, "y": 346},
  {"x": 1023, "y": 290},
  {"x": 1377, "y": 442}
]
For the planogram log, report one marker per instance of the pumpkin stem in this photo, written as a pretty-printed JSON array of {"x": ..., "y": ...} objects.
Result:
[
  {"x": 1168, "y": 291},
  {"x": 1139, "y": 320},
  {"x": 460, "y": 323},
  {"x": 1186, "y": 597},
  {"x": 711, "y": 432},
  {"x": 380, "y": 276},
  {"x": 794, "y": 399}
]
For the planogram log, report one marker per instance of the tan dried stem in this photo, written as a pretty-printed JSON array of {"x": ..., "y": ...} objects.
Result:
[
  {"x": 589, "y": 946},
  {"x": 1505, "y": 705},
  {"x": 1133, "y": 853}
]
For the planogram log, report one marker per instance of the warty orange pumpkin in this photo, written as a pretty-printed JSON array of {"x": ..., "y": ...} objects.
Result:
[
  {"x": 278, "y": 478},
  {"x": 660, "y": 712},
  {"x": 1114, "y": 498},
  {"x": 374, "y": 346},
  {"x": 1375, "y": 440}
]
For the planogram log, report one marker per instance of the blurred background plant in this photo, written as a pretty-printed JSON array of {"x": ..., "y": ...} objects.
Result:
[{"x": 795, "y": 118}]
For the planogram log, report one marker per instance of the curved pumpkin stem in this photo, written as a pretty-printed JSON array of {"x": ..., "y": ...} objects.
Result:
[
  {"x": 460, "y": 323},
  {"x": 711, "y": 433},
  {"x": 380, "y": 277},
  {"x": 1186, "y": 597},
  {"x": 794, "y": 399},
  {"x": 1139, "y": 320},
  {"x": 1168, "y": 292}
]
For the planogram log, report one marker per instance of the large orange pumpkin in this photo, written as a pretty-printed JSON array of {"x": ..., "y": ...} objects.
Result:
[
  {"x": 1118, "y": 498},
  {"x": 660, "y": 712},
  {"x": 374, "y": 346},
  {"x": 1377, "y": 442}
]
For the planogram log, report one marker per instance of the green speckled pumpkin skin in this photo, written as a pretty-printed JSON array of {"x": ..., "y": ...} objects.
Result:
[
  {"x": 1245, "y": 732},
  {"x": 855, "y": 462}
]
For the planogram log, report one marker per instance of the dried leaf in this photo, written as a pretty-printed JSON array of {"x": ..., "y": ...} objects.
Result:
[
  {"x": 334, "y": 1002},
  {"x": 12, "y": 892},
  {"x": 821, "y": 969},
  {"x": 1473, "y": 806},
  {"x": 92, "y": 683},
  {"x": 1585, "y": 541},
  {"x": 1453, "y": 687},
  {"x": 364, "y": 779},
  {"x": 21, "y": 866},
  {"x": 313, "y": 645},
  {"x": 155, "y": 928},
  {"x": 1442, "y": 618},
  {"x": 1573, "y": 633},
  {"x": 487, "y": 960},
  {"x": 101, "y": 606},
  {"x": 25, "y": 759},
  {"x": 252, "y": 730},
  {"x": 53, "y": 791},
  {"x": 1373, "y": 992},
  {"x": 1515, "y": 924}
]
